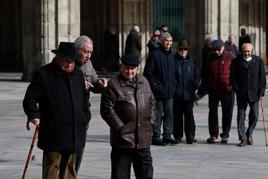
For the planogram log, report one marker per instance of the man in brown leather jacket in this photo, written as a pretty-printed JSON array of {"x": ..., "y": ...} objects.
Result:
[{"x": 128, "y": 107}]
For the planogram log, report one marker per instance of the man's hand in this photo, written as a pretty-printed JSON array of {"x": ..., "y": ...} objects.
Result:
[
  {"x": 198, "y": 96},
  {"x": 88, "y": 85},
  {"x": 103, "y": 82},
  {"x": 35, "y": 121}
]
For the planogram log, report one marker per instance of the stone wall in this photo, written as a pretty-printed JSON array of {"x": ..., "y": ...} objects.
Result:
[
  {"x": 31, "y": 38},
  {"x": 45, "y": 23},
  {"x": 253, "y": 17}
]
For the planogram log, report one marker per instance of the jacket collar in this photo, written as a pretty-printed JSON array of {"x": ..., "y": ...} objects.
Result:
[
  {"x": 125, "y": 83},
  {"x": 165, "y": 51}
]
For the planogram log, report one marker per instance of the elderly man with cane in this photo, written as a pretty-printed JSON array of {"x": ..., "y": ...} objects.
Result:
[
  {"x": 249, "y": 82},
  {"x": 56, "y": 101}
]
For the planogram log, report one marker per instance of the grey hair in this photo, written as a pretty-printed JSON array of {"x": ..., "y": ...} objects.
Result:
[
  {"x": 80, "y": 41},
  {"x": 249, "y": 44},
  {"x": 164, "y": 36},
  {"x": 231, "y": 35},
  {"x": 211, "y": 37}
]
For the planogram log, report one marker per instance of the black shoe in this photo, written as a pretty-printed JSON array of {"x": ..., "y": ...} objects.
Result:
[
  {"x": 169, "y": 141},
  {"x": 178, "y": 140},
  {"x": 157, "y": 142},
  {"x": 250, "y": 140},
  {"x": 242, "y": 143},
  {"x": 224, "y": 140},
  {"x": 191, "y": 140},
  {"x": 212, "y": 140}
]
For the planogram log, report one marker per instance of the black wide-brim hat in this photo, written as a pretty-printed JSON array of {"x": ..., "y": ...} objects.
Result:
[{"x": 66, "y": 49}]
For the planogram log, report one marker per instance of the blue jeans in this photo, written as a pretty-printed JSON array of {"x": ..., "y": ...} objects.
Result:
[
  {"x": 164, "y": 112},
  {"x": 241, "y": 116}
]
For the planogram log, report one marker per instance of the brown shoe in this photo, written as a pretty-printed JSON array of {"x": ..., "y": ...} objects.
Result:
[
  {"x": 250, "y": 140},
  {"x": 242, "y": 143}
]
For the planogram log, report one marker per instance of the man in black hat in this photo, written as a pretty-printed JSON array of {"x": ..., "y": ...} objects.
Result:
[
  {"x": 128, "y": 107},
  {"x": 187, "y": 78},
  {"x": 216, "y": 83},
  {"x": 56, "y": 101}
]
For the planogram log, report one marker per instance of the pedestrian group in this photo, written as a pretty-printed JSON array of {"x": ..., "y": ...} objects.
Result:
[{"x": 155, "y": 108}]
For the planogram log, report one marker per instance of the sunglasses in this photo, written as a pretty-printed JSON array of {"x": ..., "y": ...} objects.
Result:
[
  {"x": 217, "y": 49},
  {"x": 181, "y": 49}
]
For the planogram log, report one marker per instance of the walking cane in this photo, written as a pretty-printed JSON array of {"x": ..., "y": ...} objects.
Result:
[
  {"x": 264, "y": 128},
  {"x": 30, "y": 153}
]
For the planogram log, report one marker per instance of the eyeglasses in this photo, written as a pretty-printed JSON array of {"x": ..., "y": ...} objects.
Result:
[{"x": 181, "y": 49}]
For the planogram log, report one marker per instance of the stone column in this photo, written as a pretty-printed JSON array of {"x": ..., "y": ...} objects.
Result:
[
  {"x": 222, "y": 18},
  {"x": 45, "y": 23},
  {"x": 135, "y": 12},
  {"x": 60, "y": 22},
  {"x": 203, "y": 17},
  {"x": 31, "y": 38},
  {"x": 252, "y": 16}
]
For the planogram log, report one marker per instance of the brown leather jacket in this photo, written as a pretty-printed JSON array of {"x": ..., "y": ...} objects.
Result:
[{"x": 129, "y": 112}]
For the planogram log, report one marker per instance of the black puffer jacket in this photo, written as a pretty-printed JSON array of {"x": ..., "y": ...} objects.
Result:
[{"x": 129, "y": 111}]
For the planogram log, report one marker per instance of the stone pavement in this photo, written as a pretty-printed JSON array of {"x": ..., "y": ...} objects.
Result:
[{"x": 183, "y": 161}]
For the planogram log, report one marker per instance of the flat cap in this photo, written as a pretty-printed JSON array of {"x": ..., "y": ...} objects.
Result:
[{"x": 217, "y": 44}]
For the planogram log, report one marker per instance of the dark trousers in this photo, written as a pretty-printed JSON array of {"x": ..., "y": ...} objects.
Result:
[
  {"x": 121, "y": 160},
  {"x": 79, "y": 156},
  {"x": 253, "y": 115},
  {"x": 80, "y": 153},
  {"x": 164, "y": 112},
  {"x": 227, "y": 104},
  {"x": 59, "y": 165},
  {"x": 183, "y": 119}
]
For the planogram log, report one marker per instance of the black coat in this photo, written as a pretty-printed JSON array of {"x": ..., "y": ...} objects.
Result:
[
  {"x": 160, "y": 72},
  {"x": 187, "y": 77},
  {"x": 61, "y": 102},
  {"x": 248, "y": 79},
  {"x": 133, "y": 43}
]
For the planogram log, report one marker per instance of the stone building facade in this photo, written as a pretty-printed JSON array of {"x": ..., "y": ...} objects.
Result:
[{"x": 30, "y": 29}]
